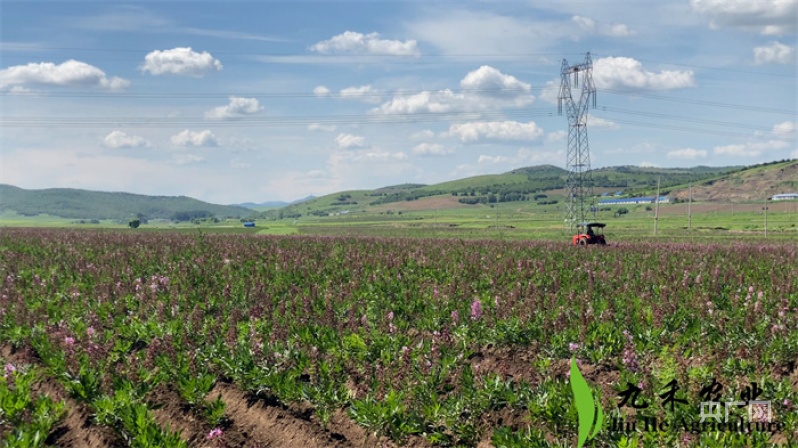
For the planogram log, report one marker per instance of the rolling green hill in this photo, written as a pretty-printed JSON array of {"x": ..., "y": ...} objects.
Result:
[
  {"x": 85, "y": 204},
  {"x": 542, "y": 183}
]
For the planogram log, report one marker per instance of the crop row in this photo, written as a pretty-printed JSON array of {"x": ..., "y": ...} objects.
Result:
[{"x": 442, "y": 342}]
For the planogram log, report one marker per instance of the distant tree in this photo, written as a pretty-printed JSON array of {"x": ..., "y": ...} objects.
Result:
[{"x": 134, "y": 223}]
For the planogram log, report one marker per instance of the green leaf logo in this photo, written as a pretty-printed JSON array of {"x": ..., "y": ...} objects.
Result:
[{"x": 588, "y": 409}]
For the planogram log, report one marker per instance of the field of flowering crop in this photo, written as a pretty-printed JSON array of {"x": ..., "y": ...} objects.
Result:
[{"x": 171, "y": 340}]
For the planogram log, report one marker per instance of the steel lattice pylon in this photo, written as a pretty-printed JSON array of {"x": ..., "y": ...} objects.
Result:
[{"x": 579, "y": 188}]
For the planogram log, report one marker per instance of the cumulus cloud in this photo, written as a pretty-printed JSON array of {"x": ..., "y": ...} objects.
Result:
[
  {"x": 180, "y": 61},
  {"x": 523, "y": 156},
  {"x": 347, "y": 141},
  {"x": 769, "y": 17},
  {"x": 187, "y": 159},
  {"x": 121, "y": 139},
  {"x": 750, "y": 149},
  {"x": 321, "y": 91},
  {"x": 422, "y": 135},
  {"x": 374, "y": 156},
  {"x": 687, "y": 153},
  {"x": 606, "y": 29},
  {"x": 787, "y": 127},
  {"x": 362, "y": 93},
  {"x": 496, "y": 130},
  {"x": 485, "y": 88},
  {"x": 774, "y": 53},
  {"x": 432, "y": 149},
  {"x": 321, "y": 127},
  {"x": 358, "y": 43},
  {"x": 556, "y": 136},
  {"x": 71, "y": 73},
  {"x": 594, "y": 122},
  {"x": 236, "y": 108},
  {"x": 621, "y": 72},
  {"x": 195, "y": 138}
]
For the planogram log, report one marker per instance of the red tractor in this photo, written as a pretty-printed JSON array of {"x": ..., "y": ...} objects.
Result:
[{"x": 593, "y": 234}]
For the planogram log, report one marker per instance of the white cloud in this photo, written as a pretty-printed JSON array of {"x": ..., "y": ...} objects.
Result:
[
  {"x": 180, "y": 61},
  {"x": 607, "y": 29},
  {"x": 71, "y": 73},
  {"x": 120, "y": 139},
  {"x": 485, "y": 88},
  {"x": 431, "y": 149},
  {"x": 687, "y": 153},
  {"x": 769, "y": 17},
  {"x": 496, "y": 130},
  {"x": 556, "y": 136},
  {"x": 775, "y": 53},
  {"x": 187, "y": 159},
  {"x": 524, "y": 157},
  {"x": 551, "y": 92},
  {"x": 362, "y": 93},
  {"x": 358, "y": 43},
  {"x": 321, "y": 91},
  {"x": 236, "y": 108},
  {"x": 621, "y": 72},
  {"x": 422, "y": 135},
  {"x": 374, "y": 156},
  {"x": 594, "y": 122},
  {"x": 750, "y": 149},
  {"x": 194, "y": 138},
  {"x": 787, "y": 127},
  {"x": 321, "y": 127},
  {"x": 347, "y": 141}
]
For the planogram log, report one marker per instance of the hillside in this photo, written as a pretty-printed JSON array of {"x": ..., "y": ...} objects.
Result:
[
  {"x": 544, "y": 183},
  {"x": 85, "y": 204},
  {"x": 749, "y": 184}
]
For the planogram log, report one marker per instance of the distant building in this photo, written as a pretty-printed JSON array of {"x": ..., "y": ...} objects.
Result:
[
  {"x": 641, "y": 200},
  {"x": 784, "y": 197}
]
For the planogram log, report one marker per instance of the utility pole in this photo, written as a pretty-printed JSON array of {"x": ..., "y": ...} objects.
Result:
[
  {"x": 578, "y": 187},
  {"x": 690, "y": 210},
  {"x": 656, "y": 208},
  {"x": 766, "y": 214}
]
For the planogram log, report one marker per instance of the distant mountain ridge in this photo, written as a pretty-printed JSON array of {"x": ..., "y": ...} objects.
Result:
[
  {"x": 272, "y": 204},
  {"x": 85, "y": 204}
]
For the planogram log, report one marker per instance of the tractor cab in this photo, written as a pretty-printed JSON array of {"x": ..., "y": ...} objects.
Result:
[{"x": 590, "y": 233}]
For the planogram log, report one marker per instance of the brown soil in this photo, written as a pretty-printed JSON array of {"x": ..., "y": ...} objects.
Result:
[
  {"x": 77, "y": 428},
  {"x": 428, "y": 203}
]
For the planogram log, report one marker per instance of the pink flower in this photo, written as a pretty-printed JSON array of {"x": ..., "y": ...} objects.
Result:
[
  {"x": 455, "y": 316},
  {"x": 90, "y": 331},
  {"x": 215, "y": 432},
  {"x": 390, "y": 315},
  {"x": 573, "y": 346},
  {"x": 10, "y": 369},
  {"x": 68, "y": 340},
  {"x": 476, "y": 310}
]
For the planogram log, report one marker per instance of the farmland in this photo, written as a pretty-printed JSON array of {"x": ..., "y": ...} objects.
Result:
[{"x": 160, "y": 339}]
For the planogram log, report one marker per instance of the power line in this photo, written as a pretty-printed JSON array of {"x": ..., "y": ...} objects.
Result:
[{"x": 642, "y": 94}]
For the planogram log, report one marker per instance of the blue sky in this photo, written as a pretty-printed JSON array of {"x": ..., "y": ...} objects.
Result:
[{"x": 251, "y": 101}]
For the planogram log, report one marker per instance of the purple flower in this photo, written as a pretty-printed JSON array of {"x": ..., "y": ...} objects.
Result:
[
  {"x": 573, "y": 346},
  {"x": 90, "y": 331},
  {"x": 476, "y": 309},
  {"x": 455, "y": 316},
  {"x": 390, "y": 315},
  {"x": 68, "y": 340},
  {"x": 10, "y": 369},
  {"x": 215, "y": 432}
]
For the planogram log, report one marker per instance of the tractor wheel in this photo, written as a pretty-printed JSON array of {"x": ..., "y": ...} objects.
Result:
[{"x": 583, "y": 241}]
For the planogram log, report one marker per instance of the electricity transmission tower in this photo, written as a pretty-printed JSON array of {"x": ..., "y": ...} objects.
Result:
[{"x": 579, "y": 188}]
